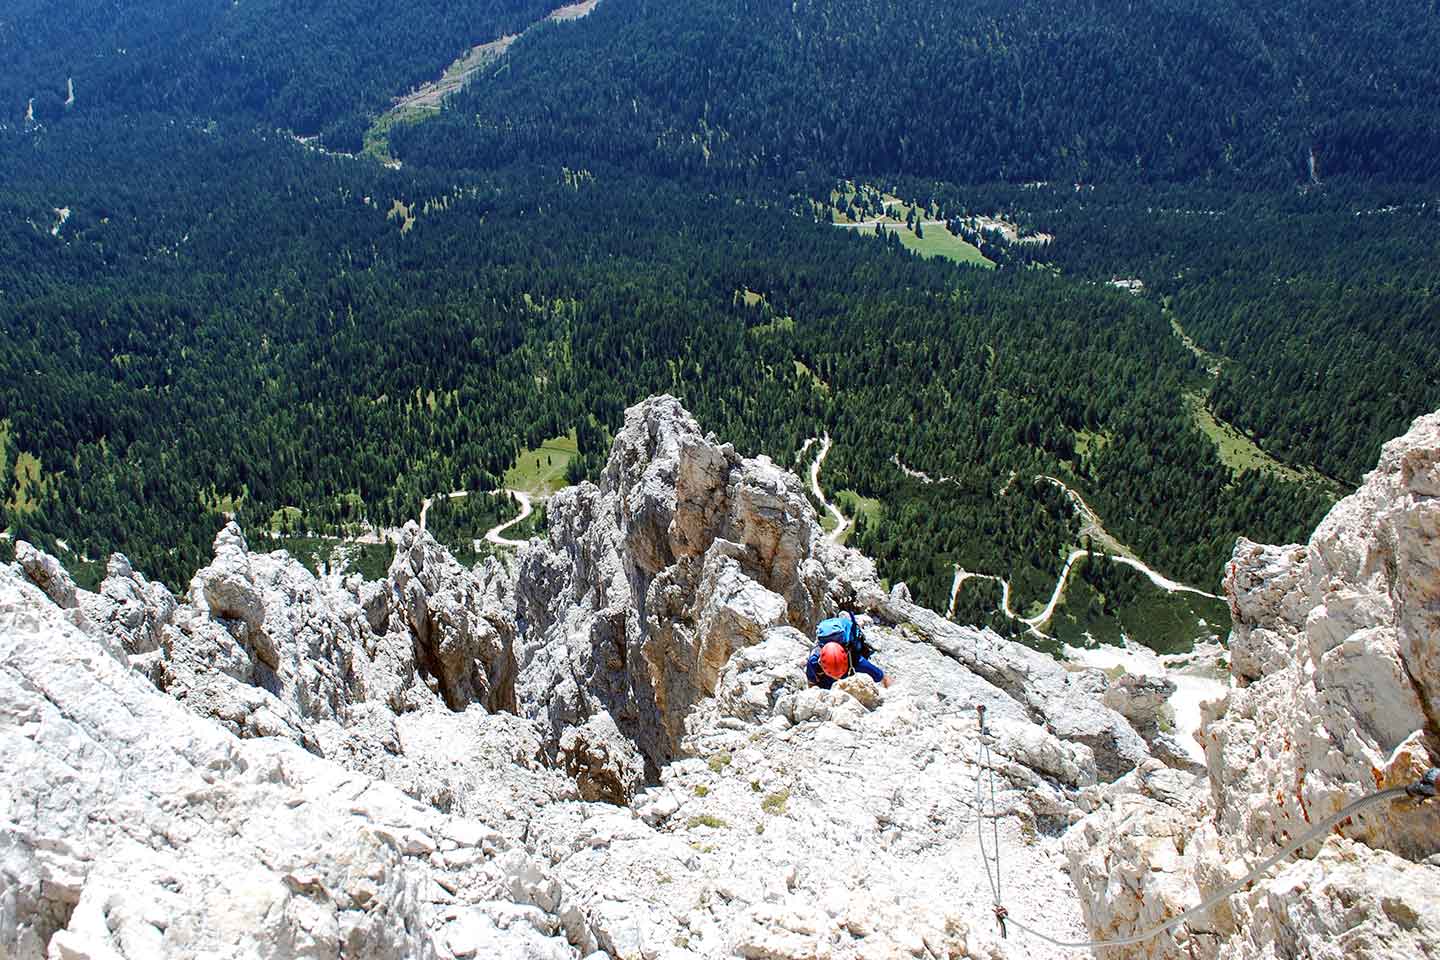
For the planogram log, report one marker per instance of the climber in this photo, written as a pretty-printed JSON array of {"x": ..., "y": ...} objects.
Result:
[{"x": 840, "y": 651}]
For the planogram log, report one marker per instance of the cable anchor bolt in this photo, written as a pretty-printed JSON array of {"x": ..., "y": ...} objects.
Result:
[
  {"x": 1426, "y": 787},
  {"x": 1000, "y": 916}
]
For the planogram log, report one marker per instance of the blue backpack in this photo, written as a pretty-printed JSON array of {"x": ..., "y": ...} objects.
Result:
[{"x": 844, "y": 631}]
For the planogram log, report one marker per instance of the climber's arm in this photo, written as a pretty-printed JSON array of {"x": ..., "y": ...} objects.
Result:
[{"x": 863, "y": 665}]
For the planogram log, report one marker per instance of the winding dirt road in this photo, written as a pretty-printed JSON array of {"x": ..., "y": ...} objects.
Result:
[
  {"x": 1090, "y": 526},
  {"x": 920, "y": 475},
  {"x": 428, "y": 501},
  {"x": 841, "y": 523},
  {"x": 1033, "y": 624},
  {"x": 495, "y": 534}
]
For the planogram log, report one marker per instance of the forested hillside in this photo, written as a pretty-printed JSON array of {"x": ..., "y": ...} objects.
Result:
[
  {"x": 1159, "y": 90},
  {"x": 1310, "y": 302},
  {"x": 315, "y": 68},
  {"x": 202, "y": 317},
  {"x": 350, "y": 369}
]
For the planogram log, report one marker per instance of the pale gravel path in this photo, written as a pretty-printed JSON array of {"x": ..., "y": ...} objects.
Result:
[
  {"x": 841, "y": 523},
  {"x": 1092, "y": 526},
  {"x": 495, "y": 534},
  {"x": 428, "y": 501}
]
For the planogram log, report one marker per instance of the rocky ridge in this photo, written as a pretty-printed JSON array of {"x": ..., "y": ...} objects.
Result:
[
  {"x": 605, "y": 746},
  {"x": 1335, "y": 656}
]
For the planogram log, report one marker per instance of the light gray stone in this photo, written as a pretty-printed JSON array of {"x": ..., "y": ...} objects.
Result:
[
  {"x": 1334, "y": 647},
  {"x": 605, "y": 765},
  {"x": 47, "y": 573},
  {"x": 457, "y": 723}
]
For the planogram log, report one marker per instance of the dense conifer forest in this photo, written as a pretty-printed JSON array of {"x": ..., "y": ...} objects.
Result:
[{"x": 204, "y": 318}]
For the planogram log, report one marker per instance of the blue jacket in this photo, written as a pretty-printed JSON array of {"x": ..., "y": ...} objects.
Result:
[
  {"x": 858, "y": 664},
  {"x": 855, "y": 646}
]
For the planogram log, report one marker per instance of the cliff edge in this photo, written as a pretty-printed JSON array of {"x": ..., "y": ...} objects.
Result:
[{"x": 1335, "y": 657}]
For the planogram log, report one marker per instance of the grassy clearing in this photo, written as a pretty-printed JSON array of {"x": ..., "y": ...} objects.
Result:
[
  {"x": 1214, "y": 362},
  {"x": 286, "y": 518},
  {"x": 805, "y": 371},
  {"x": 937, "y": 240},
  {"x": 1239, "y": 452},
  {"x": 405, "y": 214},
  {"x": 217, "y": 502},
  {"x": 940, "y": 242},
  {"x": 377, "y": 138},
  {"x": 542, "y": 472},
  {"x": 425, "y": 102},
  {"x": 778, "y": 325},
  {"x": 30, "y": 484},
  {"x": 774, "y": 323},
  {"x": 853, "y": 505},
  {"x": 1088, "y": 442}
]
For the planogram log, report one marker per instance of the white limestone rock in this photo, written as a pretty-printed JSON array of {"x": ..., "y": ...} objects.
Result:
[
  {"x": 653, "y": 644},
  {"x": 756, "y": 677},
  {"x": 47, "y": 573},
  {"x": 227, "y": 590},
  {"x": 606, "y": 767},
  {"x": 266, "y": 648},
  {"x": 1139, "y": 698},
  {"x": 648, "y": 583},
  {"x": 1335, "y": 653},
  {"x": 1069, "y": 704},
  {"x": 1262, "y": 584},
  {"x": 687, "y": 555},
  {"x": 131, "y": 827},
  {"x": 130, "y": 609},
  {"x": 462, "y": 628},
  {"x": 1025, "y": 743},
  {"x": 1144, "y": 700}
]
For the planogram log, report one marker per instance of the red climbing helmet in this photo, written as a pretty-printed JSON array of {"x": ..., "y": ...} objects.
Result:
[{"x": 834, "y": 660}]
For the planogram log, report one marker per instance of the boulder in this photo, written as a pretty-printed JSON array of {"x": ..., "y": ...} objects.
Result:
[
  {"x": 463, "y": 630},
  {"x": 226, "y": 588},
  {"x": 605, "y": 765},
  {"x": 756, "y": 677},
  {"x": 47, "y": 573},
  {"x": 1139, "y": 698},
  {"x": 131, "y": 610}
]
